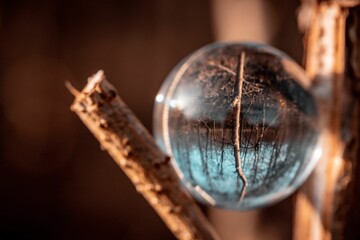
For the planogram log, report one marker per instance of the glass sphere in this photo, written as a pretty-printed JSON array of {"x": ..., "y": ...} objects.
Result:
[{"x": 240, "y": 124}]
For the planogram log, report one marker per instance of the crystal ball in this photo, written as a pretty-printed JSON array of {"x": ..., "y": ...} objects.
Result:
[{"x": 240, "y": 123}]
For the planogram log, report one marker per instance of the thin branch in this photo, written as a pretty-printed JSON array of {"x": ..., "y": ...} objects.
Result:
[
  {"x": 318, "y": 200},
  {"x": 122, "y": 135},
  {"x": 237, "y": 140}
]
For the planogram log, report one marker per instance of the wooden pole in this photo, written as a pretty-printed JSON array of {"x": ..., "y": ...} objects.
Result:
[
  {"x": 349, "y": 213},
  {"x": 127, "y": 141},
  {"x": 321, "y": 199}
]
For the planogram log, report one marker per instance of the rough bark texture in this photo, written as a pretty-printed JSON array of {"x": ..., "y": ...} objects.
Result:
[
  {"x": 323, "y": 202},
  {"x": 122, "y": 135}
]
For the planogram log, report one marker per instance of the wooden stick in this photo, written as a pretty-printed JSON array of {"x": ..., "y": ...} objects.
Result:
[
  {"x": 349, "y": 213},
  {"x": 122, "y": 135},
  {"x": 319, "y": 200}
]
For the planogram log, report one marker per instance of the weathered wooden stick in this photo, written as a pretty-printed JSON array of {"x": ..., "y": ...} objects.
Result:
[
  {"x": 349, "y": 214},
  {"x": 320, "y": 200},
  {"x": 122, "y": 135}
]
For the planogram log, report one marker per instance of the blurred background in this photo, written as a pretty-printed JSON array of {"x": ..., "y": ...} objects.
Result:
[{"x": 55, "y": 182}]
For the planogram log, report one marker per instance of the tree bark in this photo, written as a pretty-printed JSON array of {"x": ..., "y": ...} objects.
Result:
[
  {"x": 122, "y": 135},
  {"x": 350, "y": 212},
  {"x": 322, "y": 203}
]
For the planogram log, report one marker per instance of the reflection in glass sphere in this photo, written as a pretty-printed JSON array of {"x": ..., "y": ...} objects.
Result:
[{"x": 240, "y": 123}]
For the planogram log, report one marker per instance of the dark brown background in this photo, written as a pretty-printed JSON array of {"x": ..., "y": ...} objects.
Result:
[{"x": 55, "y": 183}]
